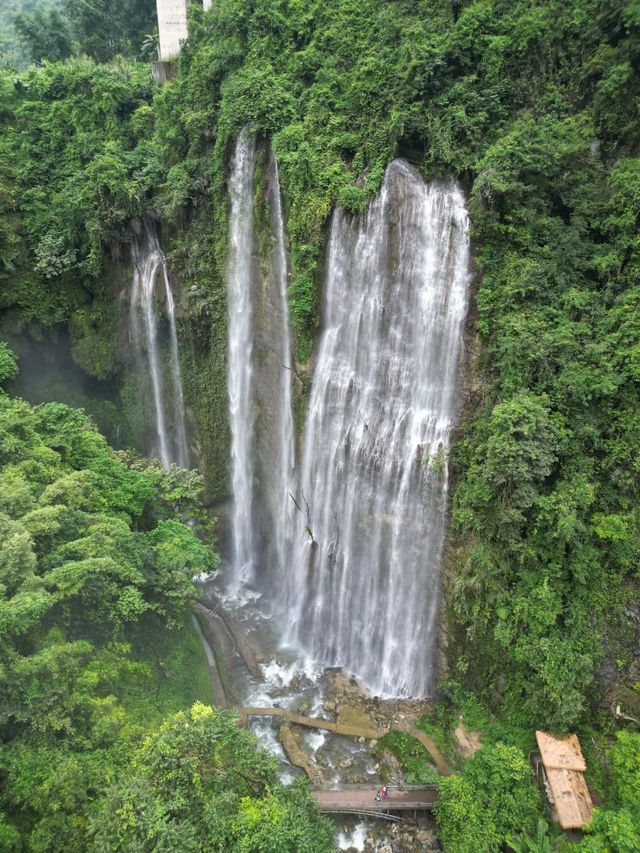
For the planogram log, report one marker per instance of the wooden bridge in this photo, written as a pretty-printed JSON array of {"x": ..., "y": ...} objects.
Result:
[
  {"x": 349, "y": 731},
  {"x": 362, "y": 801},
  {"x": 311, "y": 722}
]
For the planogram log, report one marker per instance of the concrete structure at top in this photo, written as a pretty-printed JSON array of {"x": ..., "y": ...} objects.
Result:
[{"x": 172, "y": 27}]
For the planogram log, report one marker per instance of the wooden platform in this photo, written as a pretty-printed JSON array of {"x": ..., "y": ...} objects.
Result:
[
  {"x": 311, "y": 722},
  {"x": 349, "y": 731}
]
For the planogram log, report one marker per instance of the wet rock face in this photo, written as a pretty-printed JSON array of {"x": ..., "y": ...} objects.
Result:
[
  {"x": 405, "y": 837},
  {"x": 270, "y": 341},
  {"x": 347, "y": 700}
]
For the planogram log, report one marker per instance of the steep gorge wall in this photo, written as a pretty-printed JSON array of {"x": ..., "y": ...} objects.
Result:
[{"x": 190, "y": 247}]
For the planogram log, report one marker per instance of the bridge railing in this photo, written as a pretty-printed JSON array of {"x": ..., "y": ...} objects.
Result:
[
  {"x": 378, "y": 787},
  {"x": 374, "y": 806}
]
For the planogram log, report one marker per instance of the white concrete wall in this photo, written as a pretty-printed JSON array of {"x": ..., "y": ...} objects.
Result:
[{"x": 172, "y": 26}]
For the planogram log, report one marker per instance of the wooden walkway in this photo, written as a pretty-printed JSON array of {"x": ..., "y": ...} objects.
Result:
[
  {"x": 362, "y": 801},
  {"x": 311, "y": 722},
  {"x": 349, "y": 731}
]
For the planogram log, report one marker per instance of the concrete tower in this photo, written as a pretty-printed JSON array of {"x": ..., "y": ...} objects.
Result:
[{"x": 172, "y": 27}]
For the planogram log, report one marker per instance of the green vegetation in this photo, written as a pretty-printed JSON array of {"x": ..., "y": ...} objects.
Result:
[
  {"x": 70, "y": 137},
  {"x": 198, "y": 783},
  {"x": 13, "y": 51},
  {"x": 96, "y": 563},
  {"x": 534, "y": 107},
  {"x": 101, "y": 29},
  {"x": 98, "y": 549},
  {"x": 616, "y": 826},
  {"x": 493, "y": 798},
  {"x": 413, "y": 757}
]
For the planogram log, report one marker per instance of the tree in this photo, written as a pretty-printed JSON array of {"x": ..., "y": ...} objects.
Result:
[
  {"x": 542, "y": 842},
  {"x": 8, "y": 364},
  {"x": 200, "y": 782},
  {"x": 616, "y": 826},
  {"x": 97, "y": 556},
  {"x": 45, "y": 33},
  {"x": 101, "y": 29},
  {"x": 494, "y": 798}
]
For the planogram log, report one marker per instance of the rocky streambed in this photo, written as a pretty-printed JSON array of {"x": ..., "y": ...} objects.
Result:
[{"x": 250, "y": 668}]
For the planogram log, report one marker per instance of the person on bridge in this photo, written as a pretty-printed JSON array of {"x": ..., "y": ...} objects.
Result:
[
  {"x": 385, "y": 792},
  {"x": 378, "y": 797}
]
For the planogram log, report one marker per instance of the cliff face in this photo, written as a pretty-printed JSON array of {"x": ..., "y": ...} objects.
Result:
[{"x": 202, "y": 335}]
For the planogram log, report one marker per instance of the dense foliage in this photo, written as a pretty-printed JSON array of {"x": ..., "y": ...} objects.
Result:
[
  {"x": 494, "y": 797},
  {"x": 616, "y": 826},
  {"x": 13, "y": 51},
  {"x": 198, "y": 784},
  {"x": 97, "y": 554},
  {"x": 534, "y": 106},
  {"x": 96, "y": 560},
  {"x": 70, "y": 141}
]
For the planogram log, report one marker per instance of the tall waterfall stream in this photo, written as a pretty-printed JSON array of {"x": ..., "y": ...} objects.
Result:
[
  {"x": 366, "y": 564},
  {"x": 240, "y": 384}
]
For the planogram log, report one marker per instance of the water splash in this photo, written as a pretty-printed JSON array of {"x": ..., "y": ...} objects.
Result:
[
  {"x": 150, "y": 286},
  {"x": 364, "y": 586}
]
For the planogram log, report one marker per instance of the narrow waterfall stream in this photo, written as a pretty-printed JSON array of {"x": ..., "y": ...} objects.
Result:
[
  {"x": 285, "y": 471},
  {"x": 364, "y": 577},
  {"x": 150, "y": 287},
  {"x": 241, "y": 402},
  {"x": 260, "y": 370}
]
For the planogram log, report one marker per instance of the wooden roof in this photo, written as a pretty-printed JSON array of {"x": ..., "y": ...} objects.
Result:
[
  {"x": 564, "y": 766},
  {"x": 564, "y": 754}
]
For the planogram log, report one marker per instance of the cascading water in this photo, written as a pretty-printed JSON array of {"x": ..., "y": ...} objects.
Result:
[
  {"x": 364, "y": 586},
  {"x": 283, "y": 509},
  {"x": 260, "y": 362},
  {"x": 150, "y": 275},
  {"x": 240, "y": 379}
]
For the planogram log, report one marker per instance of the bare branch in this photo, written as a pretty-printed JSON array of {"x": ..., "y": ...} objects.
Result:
[
  {"x": 299, "y": 508},
  {"x": 308, "y": 527}
]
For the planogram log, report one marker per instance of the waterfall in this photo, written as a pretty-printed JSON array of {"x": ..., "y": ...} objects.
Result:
[
  {"x": 364, "y": 587},
  {"x": 260, "y": 362},
  {"x": 283, "y": 508},
  {"x": 240, "y": 377},
  {"x": 150, "y": 281}
]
